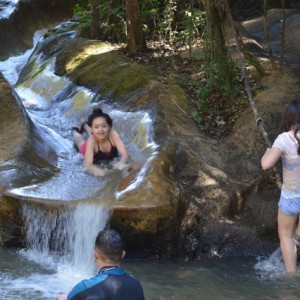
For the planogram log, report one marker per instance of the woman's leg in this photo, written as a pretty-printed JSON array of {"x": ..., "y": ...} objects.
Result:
[
  {"x": 85, "y": 126},
  {"x": 286, "y": 227},
  {"x": 78, "y": 138},
  {"x": 297, "y": 233}
]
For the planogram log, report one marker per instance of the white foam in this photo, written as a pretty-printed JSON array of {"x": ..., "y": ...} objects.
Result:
[
  {"x": 7, "y": 8},
  {"x": 271, "y": 266}
]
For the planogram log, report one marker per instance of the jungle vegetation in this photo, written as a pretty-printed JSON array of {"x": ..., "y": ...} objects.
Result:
[{"x": 158, "y": 32}]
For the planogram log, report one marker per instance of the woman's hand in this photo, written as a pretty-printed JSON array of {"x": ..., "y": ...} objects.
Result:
[
  {"x": 98, "y": 172},
  {"x": 120, "y": 165},
  {"x": 94, "y": 170}
]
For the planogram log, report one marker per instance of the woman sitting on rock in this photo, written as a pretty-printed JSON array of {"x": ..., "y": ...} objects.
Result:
[{"x": 102, "y": 145}]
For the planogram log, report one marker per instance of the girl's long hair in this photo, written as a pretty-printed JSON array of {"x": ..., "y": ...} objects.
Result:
[
  {"x": 291, "y": 120},
  {"x": 97, "y": 112}
]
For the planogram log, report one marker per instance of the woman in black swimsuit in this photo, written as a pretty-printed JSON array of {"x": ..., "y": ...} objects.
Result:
[{"x": 104, "y": 144}]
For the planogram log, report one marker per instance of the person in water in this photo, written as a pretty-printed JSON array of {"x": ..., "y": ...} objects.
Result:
[
  {"x": 112, "y": 282},
  {"x": 102, "y": 145},
  {"x": 287, "y": 146}
]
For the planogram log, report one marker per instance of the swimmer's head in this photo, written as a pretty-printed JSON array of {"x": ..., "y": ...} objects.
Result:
[{"x": 98, "y": 113}]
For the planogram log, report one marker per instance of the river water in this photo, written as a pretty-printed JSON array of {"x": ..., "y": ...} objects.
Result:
[
  {"x": 26, "y": 275},
  {"x": 38, "y": 272}
]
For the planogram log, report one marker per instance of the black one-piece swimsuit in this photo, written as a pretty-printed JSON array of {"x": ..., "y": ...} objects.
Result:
[{"x": 101, "y": 156}]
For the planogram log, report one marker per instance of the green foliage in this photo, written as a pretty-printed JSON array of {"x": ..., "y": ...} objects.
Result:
[
  {"x": 218, "y": 94},
  {"x": 113, "y": 21},
  {"x": 171, "y": 22},
  {"x": 221, "y": 77},
  {"x": 82, "y": 14},
  {"x": 193, "y": 21},
  {"x": 166, "y": 26},
  {"x": 151, "y": 15},
  {"x": 191, "y": 26}
]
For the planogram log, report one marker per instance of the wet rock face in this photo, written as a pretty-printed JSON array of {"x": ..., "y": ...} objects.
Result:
[
  {"x": 29, "y": 16},
  {"x": 12, "y": 122},
  {"x": 210, "y": 212},
  {"x": 11, "y": 225},
  {"x": 13, "y": 139}
]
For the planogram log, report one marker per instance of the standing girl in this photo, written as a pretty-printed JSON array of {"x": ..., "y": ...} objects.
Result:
[{"x": 287, "y": 146}]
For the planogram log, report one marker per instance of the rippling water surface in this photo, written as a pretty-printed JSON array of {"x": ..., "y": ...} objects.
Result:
[{"x": 26, "y": 275}]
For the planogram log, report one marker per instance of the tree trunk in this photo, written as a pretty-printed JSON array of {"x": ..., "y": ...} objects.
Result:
[
  {"x": 216, "y": 40},
  {"x": 95, "y": 28},
  {"x": 135, "y": 36}
]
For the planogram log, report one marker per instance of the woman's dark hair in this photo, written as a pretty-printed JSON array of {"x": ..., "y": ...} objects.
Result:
[
  {"x": 291, "y": 116},
  {"x": 291, "y": 120},
  {"x": 98, "y": 113}
]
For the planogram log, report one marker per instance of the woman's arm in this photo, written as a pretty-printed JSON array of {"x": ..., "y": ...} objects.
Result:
[
  {"x": 89, "y": 159},
  {"x": 121, "y": 149},
  {"x": 270, "y": 158}
]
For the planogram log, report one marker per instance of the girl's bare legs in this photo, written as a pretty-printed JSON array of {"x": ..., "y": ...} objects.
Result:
[
  {"x": 297, "y": 233},
  {"x": 85, "y": 126},
  {"x": 286, "y": 227},
  {"x": 78, "y": 138}
]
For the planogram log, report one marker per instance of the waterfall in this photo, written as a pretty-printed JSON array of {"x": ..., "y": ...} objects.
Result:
[
  {"x": 64, "y": 233},
  {"x": 66, "y": 207},
  {"x": 7, "y": 8}
]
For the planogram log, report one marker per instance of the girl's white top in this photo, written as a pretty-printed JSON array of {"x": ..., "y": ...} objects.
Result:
[{"x": 288, "y": 145}]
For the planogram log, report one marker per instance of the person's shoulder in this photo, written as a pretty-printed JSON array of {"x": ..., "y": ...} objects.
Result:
[
  {"x": 281, "y": 138},
  {"x": 282, "y": 135},
  {"x": 133, "y": 279},
  {"x": 287, "y": 137},
  {"x": 114, "y": 134},
  {"x": 94, "y": 280},
  {"x": 114, "y": 137},
  {"x": 91, "y": 140},
  {"x": 285, "y": 134},
  {"x": 87, "y": 284}
]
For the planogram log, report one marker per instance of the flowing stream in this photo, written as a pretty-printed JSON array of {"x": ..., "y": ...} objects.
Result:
[{"x": 59, "y": 250}]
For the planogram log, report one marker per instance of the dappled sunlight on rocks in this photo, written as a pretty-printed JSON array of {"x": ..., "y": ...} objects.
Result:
[{"x": 89, "y": 50}]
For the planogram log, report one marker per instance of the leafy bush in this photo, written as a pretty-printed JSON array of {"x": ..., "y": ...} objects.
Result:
[{"x": 82, "y": 14}]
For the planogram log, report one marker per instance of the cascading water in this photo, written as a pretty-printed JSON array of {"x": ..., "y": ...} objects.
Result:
[
  {"x": 7, "y": 7},
  {"x": 54, "y": 105},
  {"x": 64, "y": 234},
  {"x": 70, "y": 206}
]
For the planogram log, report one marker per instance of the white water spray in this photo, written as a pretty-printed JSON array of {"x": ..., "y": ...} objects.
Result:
[
  {"x": 7, "y": 8},
  {"x": 271, "y": 266},
  {"x": 64, "y": 234}
]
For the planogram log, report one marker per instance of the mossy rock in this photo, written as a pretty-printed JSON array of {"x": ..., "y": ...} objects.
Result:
[{"x": 93, "y": 64}]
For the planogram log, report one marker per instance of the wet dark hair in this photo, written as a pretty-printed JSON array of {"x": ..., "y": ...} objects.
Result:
[
  {"x": 109, "y": 245},
  {"x": 98, "y": 113},
  {"x": 291, "y": 120}
]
